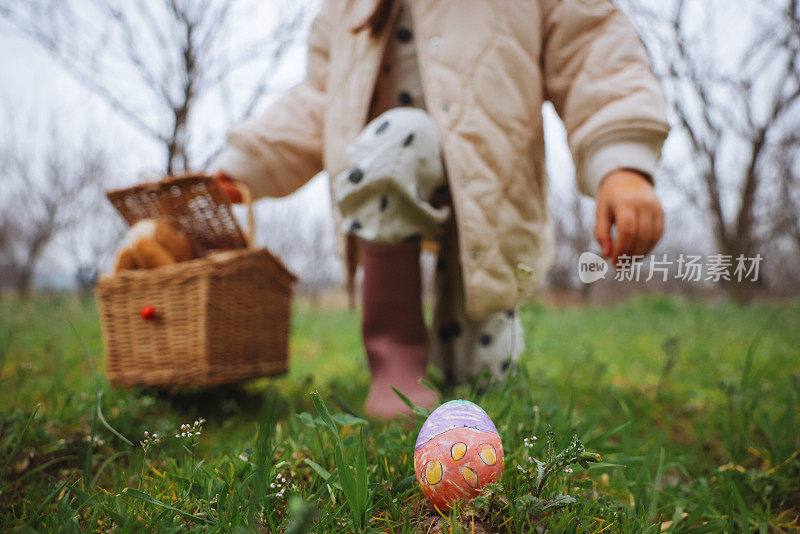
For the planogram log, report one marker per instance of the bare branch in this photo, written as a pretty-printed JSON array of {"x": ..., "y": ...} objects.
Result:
[
  {"x": 153, "y": 62},
  {"x": 736, "y": 114}
]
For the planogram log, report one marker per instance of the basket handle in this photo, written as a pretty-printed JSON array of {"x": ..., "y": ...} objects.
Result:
[{"x": 247, "y": 200}]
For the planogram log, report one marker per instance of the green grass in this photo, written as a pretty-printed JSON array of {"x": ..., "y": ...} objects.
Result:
[{"x": 695, "y": 409}]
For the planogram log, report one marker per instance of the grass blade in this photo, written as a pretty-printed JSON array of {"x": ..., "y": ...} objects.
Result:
[
  {"x": 651, "y": 511},
  {"x": 105, "y": 423},
  {"x": 324, "y": 473},
  {"x": 266, "y": 429},
  {"x": 42, "y": 505},
  {"x": 431, "y": 387},
  {"x": 419, "y": 411},
  {"x": 90, "y": 499},
  {"x": 361, "y": 472},
  {"x": 322, "y": 409},
  {"x": 38, "y": 469},
  {"x": 105, "y": 464},
  {"x": 149, "y": 499},
  {"x": 18, "y": 444},
  {"x": 346, "y": 478}
]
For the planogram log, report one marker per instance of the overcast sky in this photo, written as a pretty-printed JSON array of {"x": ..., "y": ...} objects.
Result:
[{"x": 31, "y": 85}]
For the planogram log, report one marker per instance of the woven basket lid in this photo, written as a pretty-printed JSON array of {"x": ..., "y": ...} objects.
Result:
[{"x": 193, "y": 203}]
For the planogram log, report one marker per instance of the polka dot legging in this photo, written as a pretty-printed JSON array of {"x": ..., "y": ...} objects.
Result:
[{"x": 393, "y": 190}]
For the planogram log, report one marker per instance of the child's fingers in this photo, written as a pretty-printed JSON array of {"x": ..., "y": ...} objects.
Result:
[
  {"x": 658, "y": 229},
  {"x": 626, "y": 232},
  {"x": 645, "y": 229},
  {"x": 649, "y": 230},
  {"x": 602, "y": 227}
]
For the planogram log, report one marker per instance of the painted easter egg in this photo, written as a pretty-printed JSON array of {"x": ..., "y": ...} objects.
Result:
[{"x": 458, "y": 451}]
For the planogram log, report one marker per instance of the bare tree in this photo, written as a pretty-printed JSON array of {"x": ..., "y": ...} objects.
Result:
[
  {"x": 155, "y": 61},
  {"x": 48, "y": 188},
  {"x": 89, "y": 248},
  {"x": 573, "y": 228},
  {"x": 787, "y": 214},
  {"x": 785, "y": 231},
  {"x": 735, "y": 105}
]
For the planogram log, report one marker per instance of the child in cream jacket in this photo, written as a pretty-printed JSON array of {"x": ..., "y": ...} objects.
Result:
[{"x": 427, "y": 115}]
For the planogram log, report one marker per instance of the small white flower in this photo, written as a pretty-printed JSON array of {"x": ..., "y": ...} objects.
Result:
[{"x": 568, "y": 470}]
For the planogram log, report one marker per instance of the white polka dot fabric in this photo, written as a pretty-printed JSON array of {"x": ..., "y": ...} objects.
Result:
[
  {"x": 399, "y": 82},
  {"x": 385, "y": 197},
  {"x": 395, "y": 168},
  {"x": 465, "y": 349}
]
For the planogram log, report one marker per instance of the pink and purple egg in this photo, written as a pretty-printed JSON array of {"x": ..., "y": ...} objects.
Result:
[{"x": 458, "y": 451}]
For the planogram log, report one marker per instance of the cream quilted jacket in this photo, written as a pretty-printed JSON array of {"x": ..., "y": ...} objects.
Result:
[{"x": 487, "y": 66}]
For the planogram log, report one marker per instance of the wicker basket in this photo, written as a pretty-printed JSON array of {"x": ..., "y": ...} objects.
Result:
[{"x": 218, "y": 319}]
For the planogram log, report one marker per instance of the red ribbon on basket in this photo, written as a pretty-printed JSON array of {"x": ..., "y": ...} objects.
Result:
[{"x": 147, "y": 312}]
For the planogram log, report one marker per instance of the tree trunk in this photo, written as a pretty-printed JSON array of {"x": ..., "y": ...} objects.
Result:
[
  {"x": 38, "y": 244},
  {"x": 23, "y": 283}
]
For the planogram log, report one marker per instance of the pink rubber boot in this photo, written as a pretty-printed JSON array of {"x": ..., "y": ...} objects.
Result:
[{"x": 395, "y": 336}]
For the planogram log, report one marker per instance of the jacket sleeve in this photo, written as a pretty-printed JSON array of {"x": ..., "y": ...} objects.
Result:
[
  {"x": 597, "y": 75},
  {"x": 278, "y": 152}
]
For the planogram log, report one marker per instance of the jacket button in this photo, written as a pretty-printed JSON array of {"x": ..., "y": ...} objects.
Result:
[
  {"x": 445, "y": 106},
  {"x": 435, "y": 41},
  {"x": 463, "y": 182},
  {"x": 475, "y": 253}
]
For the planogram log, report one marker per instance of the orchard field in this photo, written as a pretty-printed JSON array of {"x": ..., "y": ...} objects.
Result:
[{"x": 693, "y": 407}]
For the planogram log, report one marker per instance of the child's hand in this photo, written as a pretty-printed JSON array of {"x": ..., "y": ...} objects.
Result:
[
  {"x": 628, "y": 200},
  {"x": 228, "y": 187}
]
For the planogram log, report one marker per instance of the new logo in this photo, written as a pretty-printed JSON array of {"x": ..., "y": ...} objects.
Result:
[{"x": 591, "y": 267}]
